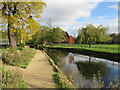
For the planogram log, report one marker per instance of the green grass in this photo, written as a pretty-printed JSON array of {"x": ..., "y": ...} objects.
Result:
[
  {"x": 110, "y": 48},
  {"x": 24, "y": 64}
]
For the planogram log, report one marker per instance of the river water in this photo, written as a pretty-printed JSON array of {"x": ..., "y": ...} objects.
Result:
[{"x": 85, "y": 71}]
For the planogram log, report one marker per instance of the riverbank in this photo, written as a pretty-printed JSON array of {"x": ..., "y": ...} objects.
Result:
[
  {"x": 108, "y": 48},
  {"x": 60, "y": 79},
  {"x": 99, "y": 54}
]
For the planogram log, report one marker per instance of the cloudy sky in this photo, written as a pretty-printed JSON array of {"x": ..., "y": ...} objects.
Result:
[{"x": 73, "y": 14}]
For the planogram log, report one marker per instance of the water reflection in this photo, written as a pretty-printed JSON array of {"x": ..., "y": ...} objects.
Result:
[
  {"x": 80, "y": 68},
  {"x": 88, "y": 68}
]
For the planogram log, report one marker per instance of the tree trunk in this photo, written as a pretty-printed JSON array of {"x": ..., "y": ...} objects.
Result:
[
  {"x": 13, "y": 41},
  {"x": 11, "y": 37},
  {"x": 89, "y": 45}
]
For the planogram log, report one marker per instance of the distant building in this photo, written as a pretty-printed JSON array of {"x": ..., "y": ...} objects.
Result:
[{"x": 71, "y": 40}]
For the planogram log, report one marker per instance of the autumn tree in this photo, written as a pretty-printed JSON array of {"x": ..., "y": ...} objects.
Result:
[
  {"x": 91, "y": 34},
  {"x": 71, "y": 40},
  {"x": 19, "y": 18}
]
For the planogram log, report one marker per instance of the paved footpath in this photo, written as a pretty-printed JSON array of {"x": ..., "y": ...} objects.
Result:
[{"x": 38, "y": 73}]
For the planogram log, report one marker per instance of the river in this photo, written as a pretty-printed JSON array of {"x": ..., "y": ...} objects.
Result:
[{"x": 85, "y": 71}]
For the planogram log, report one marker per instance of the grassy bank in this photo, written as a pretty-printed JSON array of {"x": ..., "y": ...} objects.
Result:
[
  {"x": 17, "y": 56},
  {"x": 110, "y": 48}
]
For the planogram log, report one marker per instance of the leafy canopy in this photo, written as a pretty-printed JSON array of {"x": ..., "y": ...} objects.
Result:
[
  {"x": 92, "y": 34},
  {"x": 21, "y": 17},
  {"x": 49, "y": 35}
]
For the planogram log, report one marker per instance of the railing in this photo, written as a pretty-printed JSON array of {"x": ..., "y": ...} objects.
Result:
[
  {"x": 106, "y": 49},
  {"x": 86, "y": 47}
]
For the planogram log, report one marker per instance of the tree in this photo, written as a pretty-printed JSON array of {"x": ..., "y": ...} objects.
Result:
[
  {"x": 91, "y": 68},
  {"x": 91, "y": 34},
  {"x": 102, "y": 34},
  {"x": 57, "y": 35},
  {"x": 48, "y": 35},
  {"x": 115, "y": 38},
  {"x": 71, "y": 40},
  {"x": 67, "y": 38},
  {"x": 20, "y": 19},
  {"x": 40, "y": 37}
]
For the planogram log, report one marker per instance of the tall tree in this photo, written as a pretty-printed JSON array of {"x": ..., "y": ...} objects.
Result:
[
  {"x": 40, "y": 37},
  {"x": 20, "y": 19},
  {"x": 58, "y": 35},
  {"x": 91, "y": 34},
  {"x": 49, "y": 35}
]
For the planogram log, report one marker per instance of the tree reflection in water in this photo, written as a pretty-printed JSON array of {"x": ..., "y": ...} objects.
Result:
[{"x": 88, "y": 68}]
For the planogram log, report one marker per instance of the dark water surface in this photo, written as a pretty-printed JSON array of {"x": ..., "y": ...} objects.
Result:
[{"x": 82, "y": 68}]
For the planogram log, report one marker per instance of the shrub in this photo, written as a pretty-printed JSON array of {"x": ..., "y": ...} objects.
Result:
[
  {"x": 61, "y": 81},
  {"x": 16, "y": 57},
  {"x": 20, "y": 48},
  {"x": 22, "y": 44},
  {"x": 12, "y": 80},
  {"x": 24, "y": 64}
]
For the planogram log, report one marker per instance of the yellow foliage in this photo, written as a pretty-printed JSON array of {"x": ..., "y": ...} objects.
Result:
[{"x": 22, "y": 22}]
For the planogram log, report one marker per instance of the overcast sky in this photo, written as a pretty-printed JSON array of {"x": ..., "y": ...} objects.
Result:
[{"x": 72, "y": 14}]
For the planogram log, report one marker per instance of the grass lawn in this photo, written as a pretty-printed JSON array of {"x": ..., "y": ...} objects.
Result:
[{"x": 110, "y": 48}]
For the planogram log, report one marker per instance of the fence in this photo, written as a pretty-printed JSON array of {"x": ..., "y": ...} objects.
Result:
[
  {"x": 105, "y": 49},
  {"x": 94, "y": 47}
]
